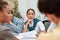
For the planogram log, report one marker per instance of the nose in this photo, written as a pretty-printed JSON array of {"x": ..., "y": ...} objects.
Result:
[{"x": 31, "y": 15}]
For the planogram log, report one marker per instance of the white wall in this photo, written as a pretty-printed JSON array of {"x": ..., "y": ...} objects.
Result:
[
  {"x": 26, "y": 4},
  {"x": 22, "y": 7}
]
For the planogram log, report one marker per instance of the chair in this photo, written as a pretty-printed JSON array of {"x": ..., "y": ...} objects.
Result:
[{"x": 46, "y": 24}]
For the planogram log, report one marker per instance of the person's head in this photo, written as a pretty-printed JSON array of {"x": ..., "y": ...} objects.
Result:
[
  {"x": 51, "y": 8},
  {"x": 30, "y": 14},
  {"x": 5, "y": 12}
]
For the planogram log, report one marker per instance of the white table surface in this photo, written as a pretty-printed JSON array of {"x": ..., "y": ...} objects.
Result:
[{"x": 27, "y": 36}]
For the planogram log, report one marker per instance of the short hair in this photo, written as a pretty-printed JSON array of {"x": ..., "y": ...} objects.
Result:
[
  {"x": 2, "y": 4},
  {"x": 29, "y": 10},
  {"x": 50, "y": 7}
]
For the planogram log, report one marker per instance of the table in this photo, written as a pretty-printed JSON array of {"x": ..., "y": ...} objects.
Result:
[{"x": 27, "y": 36}]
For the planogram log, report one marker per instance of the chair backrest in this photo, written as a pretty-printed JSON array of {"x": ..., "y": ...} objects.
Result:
[{"x": 46, "y": 24}]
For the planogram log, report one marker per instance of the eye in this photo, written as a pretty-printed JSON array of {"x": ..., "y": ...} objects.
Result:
[
  {"x": 28, "y": 13},
  {"x": 32, "y": 13}
]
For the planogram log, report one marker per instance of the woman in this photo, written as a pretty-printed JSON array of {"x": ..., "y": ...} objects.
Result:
[
  {"x": 31, "y": 22},
  {"x": 5, "y": 17},
  {"x": 15, "y": 24},
  {"x": 51, "y": 8}
]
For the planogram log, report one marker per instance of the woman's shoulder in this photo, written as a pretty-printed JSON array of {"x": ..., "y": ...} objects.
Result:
[
  {"x": 40, "y": 23},
  {"x": 36, "y": 19}
]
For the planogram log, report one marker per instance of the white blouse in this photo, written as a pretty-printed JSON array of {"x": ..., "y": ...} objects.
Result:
[{"x": 40, "y": 27}]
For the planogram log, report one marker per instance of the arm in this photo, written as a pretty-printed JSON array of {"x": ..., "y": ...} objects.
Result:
[
  {"x": 40, "y": 28},
  {"x": 15, "y": 28},
  {"x": 18, "y": 23},
  {"x": 25, "y": 29}
]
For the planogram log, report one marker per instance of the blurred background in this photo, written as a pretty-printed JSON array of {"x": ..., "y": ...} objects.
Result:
[{"x": 20, "y": 7}]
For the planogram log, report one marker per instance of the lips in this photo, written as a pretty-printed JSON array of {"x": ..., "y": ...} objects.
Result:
[{"x": 30, "y": 18}]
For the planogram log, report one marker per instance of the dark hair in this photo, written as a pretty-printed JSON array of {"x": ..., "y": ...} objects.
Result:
[
  {"x": 50, "y": 7},
  {"x": 30, "y": 9},
  {"x": 2, "y": 4}
]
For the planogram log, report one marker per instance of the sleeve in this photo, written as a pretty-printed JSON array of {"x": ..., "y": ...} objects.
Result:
[
  {"x": 40, "y": 27},
  {"x": 38, "y": 30},
  {"x": 15, "y": 28},
  {"x": 7, "y": 35},
  {"x": 18, "y": 24}
]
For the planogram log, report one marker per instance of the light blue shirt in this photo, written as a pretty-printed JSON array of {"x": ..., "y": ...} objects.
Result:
[
  {"x": 16, "y": 26},
  {"x": 19, "y": 23}
]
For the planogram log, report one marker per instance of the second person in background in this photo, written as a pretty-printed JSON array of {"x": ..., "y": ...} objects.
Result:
[{"x": 30, "y": 24}]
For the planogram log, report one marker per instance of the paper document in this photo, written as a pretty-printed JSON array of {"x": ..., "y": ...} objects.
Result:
[{"x": 31, "y": 34}]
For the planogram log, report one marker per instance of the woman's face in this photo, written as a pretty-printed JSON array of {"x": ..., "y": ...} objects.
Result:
[
  {"x": 6, "y": 14},
  {"x": 30, "y": 15}
]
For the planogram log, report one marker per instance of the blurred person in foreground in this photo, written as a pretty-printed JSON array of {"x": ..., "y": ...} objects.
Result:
[
  {"x": 15, "y": 24},
  {"x": 5, "y": 17},
  {"x": 51, "y": 8}
]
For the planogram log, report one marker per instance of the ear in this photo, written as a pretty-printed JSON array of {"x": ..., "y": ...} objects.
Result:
[{"x": 52, "y": 17}]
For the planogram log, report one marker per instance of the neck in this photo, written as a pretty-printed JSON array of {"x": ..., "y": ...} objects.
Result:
[
  {"x": 1, "y": 22},
  {"x": 58, "y": 26}
]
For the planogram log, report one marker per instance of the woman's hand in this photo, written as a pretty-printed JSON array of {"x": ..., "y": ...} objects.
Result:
[
  {"x": 25, "y": 28},
  {"x": 30, "y": 21}
]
